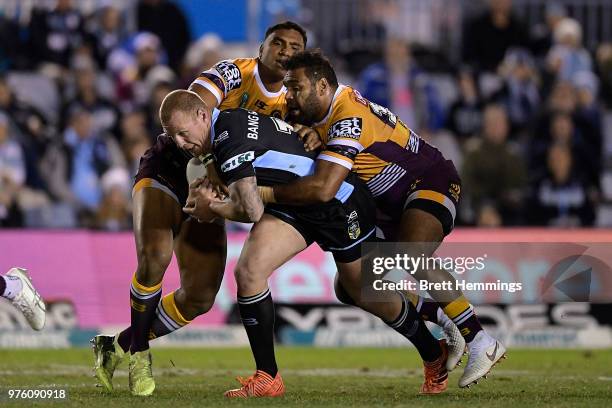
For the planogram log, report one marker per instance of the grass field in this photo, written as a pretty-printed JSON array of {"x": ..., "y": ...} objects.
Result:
[{"x": 317, "y": 377}]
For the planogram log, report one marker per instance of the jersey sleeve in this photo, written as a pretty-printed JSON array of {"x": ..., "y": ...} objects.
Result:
[
  {"x": 221, "y": 79},
  {"x": 234, "y": 155},
  {"x": 345, "y": 140}
]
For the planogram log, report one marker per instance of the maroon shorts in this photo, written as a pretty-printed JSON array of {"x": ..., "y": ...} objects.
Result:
[
  {"x": 164, "y": 166},
  {"x": 437, "y": 192}
]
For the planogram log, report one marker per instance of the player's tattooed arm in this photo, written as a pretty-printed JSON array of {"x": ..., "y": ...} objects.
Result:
[
  {"x": 320, "y": 187},
  {"x": 243, "y": 203}
]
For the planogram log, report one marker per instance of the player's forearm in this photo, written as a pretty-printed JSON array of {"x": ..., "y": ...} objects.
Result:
[{"x": 233, "y": 211}]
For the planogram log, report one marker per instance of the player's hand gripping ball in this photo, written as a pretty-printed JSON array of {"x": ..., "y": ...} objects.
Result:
[{"x": 201, "y": 194}]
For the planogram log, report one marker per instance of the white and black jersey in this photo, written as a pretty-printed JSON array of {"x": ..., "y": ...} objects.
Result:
[{"x": 246, "y": 143}]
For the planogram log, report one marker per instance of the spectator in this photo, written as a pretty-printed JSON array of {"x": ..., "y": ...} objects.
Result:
[
  {"x": 604, "y": 71},
  {"x": 137, "y": 75},
  {"x": 465, "y": 114},
  {"x": 488, "y": 36},
  {"x": 12, "y": 176},
  {"x": 107, "y": 33},
  {"x": 160, "y": 90},
  {"x": 32, "y": 131},
  {"x": 56, "y": 33},
  {"x": 398, "y": 84},
  {"x": 74, "y": 167},
  {"x": 201, "y": 55},
  {"x": 519, "y": 94},
  {"x": 493, "y": 173},
  {"x": 568, "y": 57},
  {"x": 542, "y": 33},
  {"x": 114, "y": 213},
  {"x": 560, "y": 197},
  {"x": 87, "y": 97},
  {"x": 168, "y": 22}
]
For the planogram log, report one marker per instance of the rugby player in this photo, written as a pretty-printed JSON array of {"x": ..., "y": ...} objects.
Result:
[
  {"x": 160, "y": 227},
  {"x": 251, "y": 149},
  {"x": 16, "y": 286},
  {"x": 416, "y": 189}
]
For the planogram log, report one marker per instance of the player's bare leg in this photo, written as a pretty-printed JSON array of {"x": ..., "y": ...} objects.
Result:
[
  {"x": 424, "y": 232},
  {"x": 397, "y": 312},
  {"x": 269, "y": 245},
  {"x": 201, "y": 253}
]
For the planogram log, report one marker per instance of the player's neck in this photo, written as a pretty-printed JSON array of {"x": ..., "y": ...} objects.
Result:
[
  {"x": 327, "y": 103},
  {"x": 269, "y": 79}
]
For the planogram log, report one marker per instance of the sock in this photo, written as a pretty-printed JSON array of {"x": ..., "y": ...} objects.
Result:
[
  {"x": 410, "y": 325},
  {"x": 427, "y": 308},
  {"x": 143, "y": 302},
  {"x": 462, "y": 314},
  {"x": 257, "y": 314},
  {"x": 10, "y": 286},
  {"x": 168, "y": 318}
]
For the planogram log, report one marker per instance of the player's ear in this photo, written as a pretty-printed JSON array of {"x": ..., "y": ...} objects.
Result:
[
  {"x": 322, "y": 86},
  {"x": 260, "y": 49}
]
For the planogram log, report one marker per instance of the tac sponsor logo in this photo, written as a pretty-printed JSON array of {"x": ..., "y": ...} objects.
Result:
[
  {"x": 230, "y": 73},
  {"x": 237, "y": 160},
  {"x": 349, "y": 127}
]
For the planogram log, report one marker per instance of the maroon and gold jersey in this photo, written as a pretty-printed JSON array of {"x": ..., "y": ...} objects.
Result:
[
  {"x": 373, "y": 142},
  {"x": 236, "y": 84}
]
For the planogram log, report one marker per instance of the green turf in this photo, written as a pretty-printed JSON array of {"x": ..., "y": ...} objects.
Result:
[{"x": 318, "y": 377}]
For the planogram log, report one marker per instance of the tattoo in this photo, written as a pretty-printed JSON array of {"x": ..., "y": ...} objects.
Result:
[{"x": 244, "y": 204}]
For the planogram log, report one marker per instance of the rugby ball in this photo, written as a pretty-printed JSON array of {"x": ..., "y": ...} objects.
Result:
[{"x": 195, "y": 169}]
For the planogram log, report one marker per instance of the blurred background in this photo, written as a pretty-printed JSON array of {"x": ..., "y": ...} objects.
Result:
[{"x": 518, "y": 93}]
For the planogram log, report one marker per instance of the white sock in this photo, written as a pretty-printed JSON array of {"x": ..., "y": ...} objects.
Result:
[{"x": 13, "y": 286}]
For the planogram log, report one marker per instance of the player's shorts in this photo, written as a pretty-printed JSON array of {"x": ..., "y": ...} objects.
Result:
[
  {"x": 163, "y": 166},
  {"x": 338, "y": 227},
  {"x": 437, "y": 192}
]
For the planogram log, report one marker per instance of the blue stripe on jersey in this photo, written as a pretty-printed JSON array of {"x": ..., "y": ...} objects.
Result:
[
  {"x": 293, "y": 163},
  {"x": 298, "y": 165}
]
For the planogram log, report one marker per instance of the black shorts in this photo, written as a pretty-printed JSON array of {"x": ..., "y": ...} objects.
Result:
[
  {"x": 163, "y": 166},
  {"x": 339, "y": 228}
]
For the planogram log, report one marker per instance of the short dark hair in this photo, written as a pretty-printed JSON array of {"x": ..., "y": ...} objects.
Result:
[
  {"x": 315, "y": 64},
  {"x": 287, "y": 25}
]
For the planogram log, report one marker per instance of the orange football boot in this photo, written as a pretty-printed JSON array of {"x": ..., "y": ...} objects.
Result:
[
  {"x": 259, "y": 385},
  {"x": 436, "y": 375}
]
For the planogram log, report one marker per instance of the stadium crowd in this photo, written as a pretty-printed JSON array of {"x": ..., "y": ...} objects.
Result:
[{"x": 79, "y": 96}]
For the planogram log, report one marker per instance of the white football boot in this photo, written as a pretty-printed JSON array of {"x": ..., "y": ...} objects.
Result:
[
  {"x": 28, "y": 301},
  {"x": 455, "y": 344},
  {"x": 484, "y": 352}
]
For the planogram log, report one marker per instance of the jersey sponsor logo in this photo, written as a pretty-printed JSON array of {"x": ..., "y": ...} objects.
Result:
[
  {"x": 252, "y": 125},
  {"x": 230, "y": 73},
  {"x": 234, "y": 162},
  {"x": 282, "y": 126},
  {"x": 349, "y": 127},
  {"x": 414, "y": 142},
  {"x": 354, "y": 230},
  {"x": 220, "y": 138}
]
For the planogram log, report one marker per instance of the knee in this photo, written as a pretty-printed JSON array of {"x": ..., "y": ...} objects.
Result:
[
  {"x": 200, "y": 304},
  {"x": 247, "y": 280},
  {"x": 153, "y": 260}
]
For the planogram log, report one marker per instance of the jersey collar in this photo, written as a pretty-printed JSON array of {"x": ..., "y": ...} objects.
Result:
[
  {"x": 262, "y": 88},
  {"x": 215, "y": 116},
  {"x": 331, "y": 105}
]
